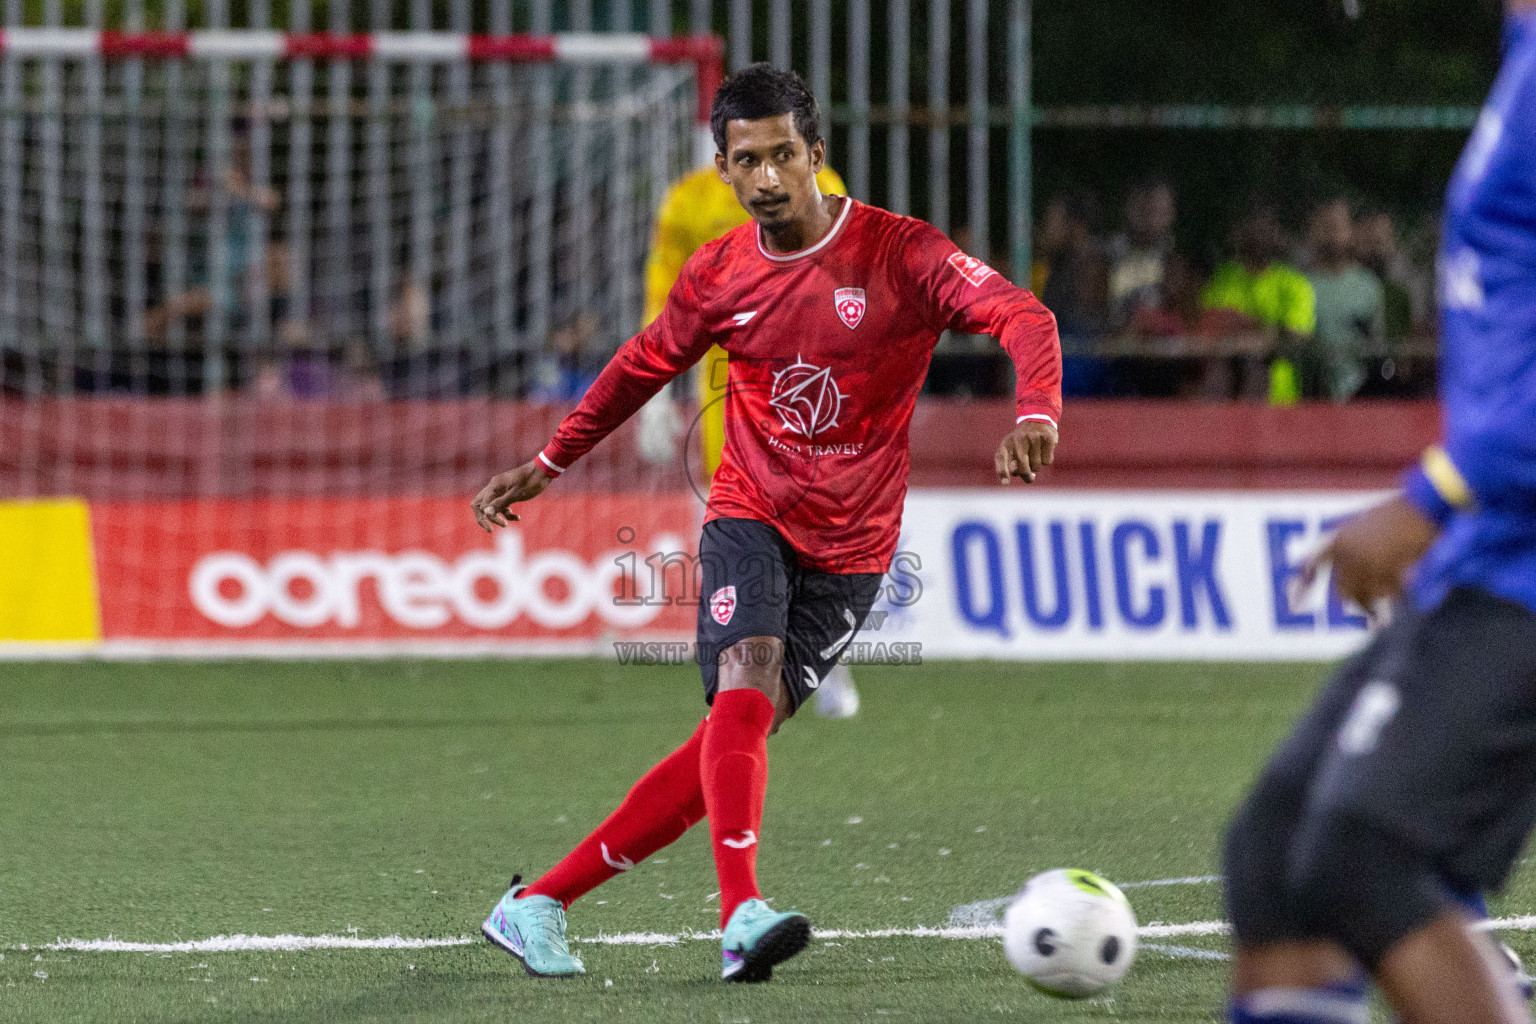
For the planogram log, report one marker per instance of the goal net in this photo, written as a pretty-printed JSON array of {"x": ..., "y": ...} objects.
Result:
[
  {"x": 167, "y": 226},
  {"x": 274, "y": 308}
]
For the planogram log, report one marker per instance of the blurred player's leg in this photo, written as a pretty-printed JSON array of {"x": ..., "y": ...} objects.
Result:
[
  {"x": 1414, "y": 766},
  {"x": 837, "y": 697},
  {"x": 1476, "y": 906},
  {"x": 1446, "y": 971},
  {"x": 1283, "y": 972}
]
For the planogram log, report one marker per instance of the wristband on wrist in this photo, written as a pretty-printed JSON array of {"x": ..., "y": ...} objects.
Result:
[{"x": 1436, "y": 487}]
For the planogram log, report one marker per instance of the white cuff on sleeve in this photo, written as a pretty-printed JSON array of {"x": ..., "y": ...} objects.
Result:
[{"x": 558, "y": 469}]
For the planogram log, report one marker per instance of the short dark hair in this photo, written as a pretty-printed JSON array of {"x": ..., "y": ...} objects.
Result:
[{"x": 762, "y": 90}]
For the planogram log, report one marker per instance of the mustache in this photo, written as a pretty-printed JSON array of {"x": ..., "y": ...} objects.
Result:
[{"x": 770, "y": 200}]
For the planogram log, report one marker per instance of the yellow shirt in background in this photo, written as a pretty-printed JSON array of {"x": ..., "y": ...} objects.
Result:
[
  {"x": 1277, "y": 296},
  {"x": 698, "y": 210}
]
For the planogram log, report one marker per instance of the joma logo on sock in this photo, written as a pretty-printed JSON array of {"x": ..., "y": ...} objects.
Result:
[
  {"x": 620, "y": 863},
  {"x": 747, "y": 839}
]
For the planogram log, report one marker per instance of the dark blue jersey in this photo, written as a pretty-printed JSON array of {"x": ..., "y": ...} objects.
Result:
[{"x": 1481, "y": 486}]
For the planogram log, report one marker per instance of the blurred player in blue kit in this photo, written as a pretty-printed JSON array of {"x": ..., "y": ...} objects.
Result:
[{"x": 1413, "y": 777}]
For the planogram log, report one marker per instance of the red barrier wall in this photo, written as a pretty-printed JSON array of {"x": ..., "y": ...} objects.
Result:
[
  {"x": 1176, "y": 444},
  {"x": 228, "y": 446},
  {"x": 120, "y": 448}
]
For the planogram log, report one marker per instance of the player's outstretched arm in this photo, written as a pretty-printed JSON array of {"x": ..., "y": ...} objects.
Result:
[
  {"x": 505, "y": 490},
  {"x": 1027, "y": 447},
  {"x": 955, "y": 291}
]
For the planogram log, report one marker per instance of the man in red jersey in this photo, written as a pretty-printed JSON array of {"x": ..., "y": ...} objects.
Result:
[{"x": 829, "y": 311}]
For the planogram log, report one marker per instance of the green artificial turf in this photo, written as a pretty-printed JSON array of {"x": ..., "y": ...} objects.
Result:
[{"x": 163, "y": 802}]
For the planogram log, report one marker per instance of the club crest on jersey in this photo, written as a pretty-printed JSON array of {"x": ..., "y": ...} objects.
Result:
[
  {"x": 850, "y": 305},
  {"x": 722, "y": 605},
  {"x": 971, "y": 268},
  {"x": 806, "y": 397}
]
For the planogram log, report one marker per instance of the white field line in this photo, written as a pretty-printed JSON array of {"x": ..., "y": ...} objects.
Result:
[
  {"x": 982, "y": 912},
  {"x": 1185, "y": 952},
  {"x": 253, "y": 944},
  {"x": 990, "y": 911},
  {"x": 1158, "y": 930},
  {"x": 296, "y": 943},
  {"x": 1188, "y": 880}
]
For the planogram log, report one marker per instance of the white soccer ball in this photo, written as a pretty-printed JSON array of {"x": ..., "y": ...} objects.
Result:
[{"x": 1071, "y": 933}]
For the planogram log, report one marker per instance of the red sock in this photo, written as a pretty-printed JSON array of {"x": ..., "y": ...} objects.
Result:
[
  {"x": 665, "y": 803},
  {"x": 734, "y": 773}
]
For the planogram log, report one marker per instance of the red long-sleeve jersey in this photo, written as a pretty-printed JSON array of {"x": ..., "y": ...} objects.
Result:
[{"x": 828, "y": 350}]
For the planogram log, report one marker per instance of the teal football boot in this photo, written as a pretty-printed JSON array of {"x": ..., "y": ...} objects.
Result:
[
  {"x": 533, "y": 930},
  {"x": 757, "y": 937}
]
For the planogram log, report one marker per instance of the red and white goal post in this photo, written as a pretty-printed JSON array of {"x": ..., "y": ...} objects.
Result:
[{"x": 273, "y": 306}]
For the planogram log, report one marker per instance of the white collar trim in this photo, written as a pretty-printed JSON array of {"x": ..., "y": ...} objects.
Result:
[{"x": 801, "y": 254}]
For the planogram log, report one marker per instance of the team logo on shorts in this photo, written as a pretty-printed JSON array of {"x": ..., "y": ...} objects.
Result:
[
  {"x": 850, "y": 305},
  {"x": 971, "y": 268},
  {"x": 722, "y": 605}
]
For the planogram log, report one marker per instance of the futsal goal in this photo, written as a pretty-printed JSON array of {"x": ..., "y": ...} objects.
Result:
[{"x": 273, "y": 306}]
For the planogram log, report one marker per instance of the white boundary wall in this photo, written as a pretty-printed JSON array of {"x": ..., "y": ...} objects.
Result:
[
  {"x": 1106, "y": 575},
  {"x": 1146, "y": 575}
]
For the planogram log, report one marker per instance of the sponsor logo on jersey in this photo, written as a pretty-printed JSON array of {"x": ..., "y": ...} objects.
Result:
[
  {"x": 740, "y": 319},
  {"x": 970, "y": 268},
  {"x": 850, "y": 305},
  {"x": 722, "y": 605},
  {"x": 806, "y": 398},
  {"x": 748, "y": 838}
]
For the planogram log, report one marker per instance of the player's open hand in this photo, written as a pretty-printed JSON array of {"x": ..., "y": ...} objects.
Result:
[
  {"x": 505, "y": 490},
  {"x": 1372, "y": 553},
  {"x": 1032, "y": 444}
]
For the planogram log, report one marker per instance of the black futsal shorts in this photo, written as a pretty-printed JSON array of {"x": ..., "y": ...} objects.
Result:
[
  {"x": 1430, "y": 736},
  {"x": 754, "y": 586}
]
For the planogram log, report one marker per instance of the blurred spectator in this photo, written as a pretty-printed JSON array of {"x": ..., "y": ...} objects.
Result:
[
  {"x": 1138, "y": 256},
  {"x": 244, "y": 202},
  {"x": 1177, "y": 312},
  {"x": 348, "y": 374},
  {"x": 1178, "y": 317},
  {"x": 1072, "y": 281},
  {"x": 1075, "y": 273},
  {"x": 190, "y": 306},
  {"x": 1261, "y": 289},
  {"x": 425, "y": 360},
  {"x": 1405, "y": 290},
  {"x": 562, "y": 372},
  {"x": 410, "y": 318},
  {"x": 1351, "y": 313}
]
